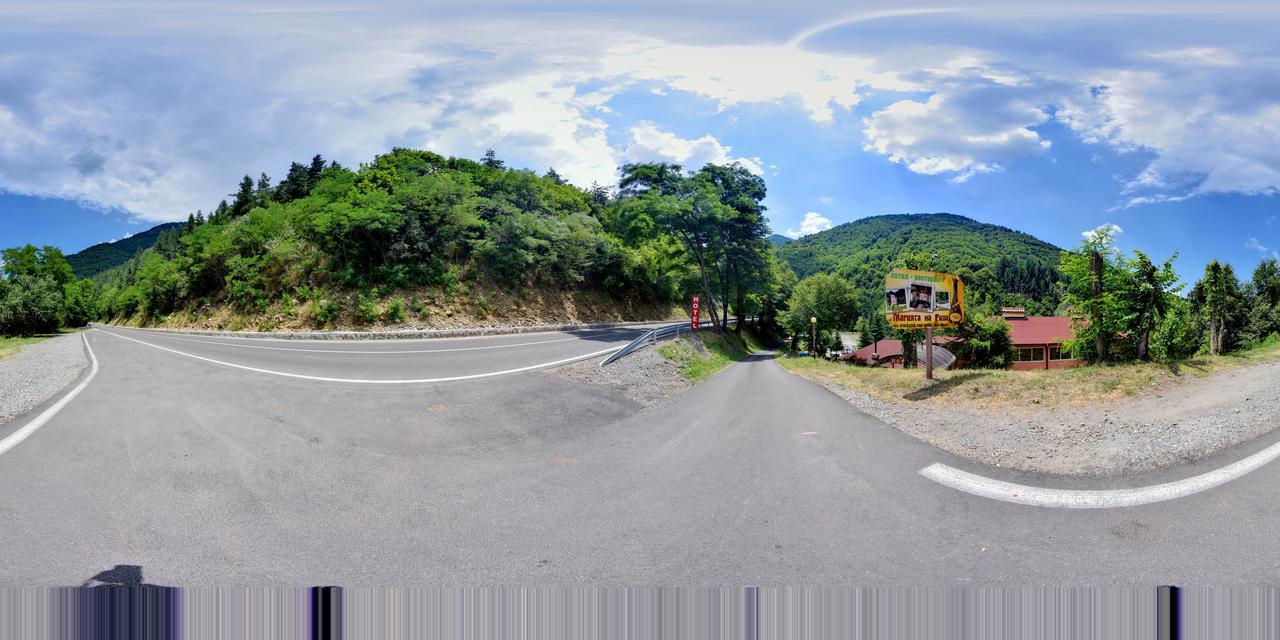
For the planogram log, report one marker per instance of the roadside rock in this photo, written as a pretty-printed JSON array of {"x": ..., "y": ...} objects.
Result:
[{"x": 38, "y": 372}]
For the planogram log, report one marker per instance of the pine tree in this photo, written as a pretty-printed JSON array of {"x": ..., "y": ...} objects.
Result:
[
  {"x": 263, "y": 194},
  {"x": 244, "y": 198},
  {"x": 491, "y": 160},
  {"x": 553, "y": 176},
  {"x": 295, "y": 185},
  {"x": 314, "y": 171}
]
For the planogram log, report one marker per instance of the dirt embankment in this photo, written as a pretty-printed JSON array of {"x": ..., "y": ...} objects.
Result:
[
  {"x": 1177, "y": 419},
  {"x": 465, "y": 307}
]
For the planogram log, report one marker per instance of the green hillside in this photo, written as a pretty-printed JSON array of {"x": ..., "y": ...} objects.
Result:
[
  {"x": 105, "y": 255},
  {"x": 990, "y": 258}
]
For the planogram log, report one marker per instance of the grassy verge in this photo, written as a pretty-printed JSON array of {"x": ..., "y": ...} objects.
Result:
[
  {"x": 1000, "y": 389},
  {"x": 10, "y": 345},
  {"x": 701, "y": 356}
]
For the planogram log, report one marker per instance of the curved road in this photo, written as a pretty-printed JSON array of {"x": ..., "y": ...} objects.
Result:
[{"x": 202, "y": 472}]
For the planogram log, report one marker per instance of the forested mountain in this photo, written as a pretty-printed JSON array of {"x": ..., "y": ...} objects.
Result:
[
  {"x": 413, "y": 234},
  {"x": 994, "y": 260},
  {"x": 104, "y": 255},
  {"x": 778, "y": 239}
]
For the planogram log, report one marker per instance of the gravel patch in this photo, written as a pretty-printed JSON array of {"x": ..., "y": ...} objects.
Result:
[
  {"x": 38, "y": 372},
  {"x": 1168, "y": 425},
  {"x": 643, "y": 376}
]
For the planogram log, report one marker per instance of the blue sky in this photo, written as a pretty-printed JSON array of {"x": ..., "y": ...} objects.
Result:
[{"x": 1051, "y": 119}]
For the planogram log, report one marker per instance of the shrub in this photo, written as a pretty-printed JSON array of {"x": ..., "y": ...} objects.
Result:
[
  {"x": 30, "y": 305},
  {"x": 366, "y": 309},
  {"x": 395, "y": 311}
]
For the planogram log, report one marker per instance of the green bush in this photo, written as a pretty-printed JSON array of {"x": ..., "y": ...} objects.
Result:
[
  {"x": 395, "y": 311},
  {"x": 31, "y": 304},
  {"x": 366, "y": 309}
]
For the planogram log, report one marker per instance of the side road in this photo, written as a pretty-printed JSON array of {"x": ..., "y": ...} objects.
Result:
[{"x": 38, "y": 372}]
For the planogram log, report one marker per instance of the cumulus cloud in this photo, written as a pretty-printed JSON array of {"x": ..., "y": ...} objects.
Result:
[
  {"x": 813, "y": 222},
  {"x": 648, "y": 142},
  {"x": 1105, "y": 230},
  {"x": 970, "y": 125},
  {"x": 160, "y": 121}
]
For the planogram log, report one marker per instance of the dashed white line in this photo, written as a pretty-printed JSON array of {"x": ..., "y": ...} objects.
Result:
[
  {"x": 302, "y": 376},
  {"x": 37, "y": 422},
  {"x": 1095, "y": 498}
]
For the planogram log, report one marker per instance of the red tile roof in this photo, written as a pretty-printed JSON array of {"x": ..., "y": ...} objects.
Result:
[
  {"x": 888, "y": 347},
  {"x": 1040, "y": 329}
]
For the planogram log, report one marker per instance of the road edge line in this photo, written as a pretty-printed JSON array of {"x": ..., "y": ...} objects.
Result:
[
  {"x": 13, "y": 439},
  {"x": 993, "y": 489},
  {"x": 303, "y": 376}
]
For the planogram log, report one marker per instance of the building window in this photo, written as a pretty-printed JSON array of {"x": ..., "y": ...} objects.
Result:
[
  {"x": 1055, "y": 353},
  {"x": 1029, "y": 354}
]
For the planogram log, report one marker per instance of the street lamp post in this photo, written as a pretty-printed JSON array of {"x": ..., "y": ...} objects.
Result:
[{"x": 813, "y": 336}]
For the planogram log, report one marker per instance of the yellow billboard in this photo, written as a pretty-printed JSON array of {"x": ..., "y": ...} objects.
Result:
[{"x": 916, "y": 299}]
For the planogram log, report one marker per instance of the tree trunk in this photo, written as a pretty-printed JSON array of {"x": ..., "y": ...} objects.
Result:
[
  {"x": 706, "y": 291},
  {"x": 1213, "y": 336},
  {"x": 1095, "y": 290},
  {"x": 741, "y": 305},
  {"x": 1144, "y": 343}
]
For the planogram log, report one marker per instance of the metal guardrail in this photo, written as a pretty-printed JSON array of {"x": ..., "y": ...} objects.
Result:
[
  {"x": 652, "y": 338},
  {"x": 649, "y": 337}
]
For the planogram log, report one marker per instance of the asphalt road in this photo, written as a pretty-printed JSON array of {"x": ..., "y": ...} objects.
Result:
[{"x": 204, "y": 473}]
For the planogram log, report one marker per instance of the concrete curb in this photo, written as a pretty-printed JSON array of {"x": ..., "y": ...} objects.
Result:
[{"x": 404, "y": 334}]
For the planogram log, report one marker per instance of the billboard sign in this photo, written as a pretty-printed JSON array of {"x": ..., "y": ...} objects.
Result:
[{"x": 916, "y": 299}]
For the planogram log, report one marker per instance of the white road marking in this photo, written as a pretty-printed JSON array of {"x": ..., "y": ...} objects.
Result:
[
  {"x": 301, "y": 376},
  {"x": 1098, "y": 498},
  {"x": 358, "y": 352},
  {"x": 37, "y": 422}
]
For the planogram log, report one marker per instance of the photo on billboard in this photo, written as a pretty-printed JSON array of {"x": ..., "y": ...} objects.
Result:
[
  {"x": 895, "y": 299},
  {"x": 921, "y": 297}
]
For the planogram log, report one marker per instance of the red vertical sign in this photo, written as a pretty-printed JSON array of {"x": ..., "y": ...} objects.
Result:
[{"x": 694, "y": 313}]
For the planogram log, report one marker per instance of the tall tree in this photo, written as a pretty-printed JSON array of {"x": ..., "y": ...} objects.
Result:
[
  {"x": 553, "y": 176},
  {"x": 314, "y": 170},
  {"x": 491, "y": 160},
  {"x": 263, "y": 193},
  {"x": 243, "y": 199},
  {"x": 1219, "y": 298},
  {"x": 296, "y": 184},
  {"x": 1152, "y": 286}
]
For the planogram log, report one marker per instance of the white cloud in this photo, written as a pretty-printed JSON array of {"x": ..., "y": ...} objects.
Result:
[
  {"x": 158, "y": 111},
  {"x": 968, "y": 126},
  {"x": 1254, "y": 244},
  {"x": 648, "y": 142},
  {"x": 738, "y": 74},
  {"x": 826, "y": 199},
  {"x": 813, "y": 222},
  {"x": 1107, "y": 229}
]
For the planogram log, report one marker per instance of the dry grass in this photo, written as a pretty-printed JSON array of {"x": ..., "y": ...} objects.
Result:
[
  {"x": 1000, "y": 389},
  {"x": 10, "y": 345}
]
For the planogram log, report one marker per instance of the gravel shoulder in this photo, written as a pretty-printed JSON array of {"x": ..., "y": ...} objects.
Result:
[
  {"x": 38, "y": 372},
  {"x": 1169, "y": 425},
  {"x": 644, "y": 376}
]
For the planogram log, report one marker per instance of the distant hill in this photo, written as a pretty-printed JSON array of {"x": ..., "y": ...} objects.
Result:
[
  {"x": 864, "y": 250},
  {"x": 104, "y": 255},
  {"x": 777, "y": 239}
]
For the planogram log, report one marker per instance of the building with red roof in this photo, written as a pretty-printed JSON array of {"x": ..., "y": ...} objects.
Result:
[
  {"x": 1037, "y": 344},
  {"x": 1038, "y": 340}
]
